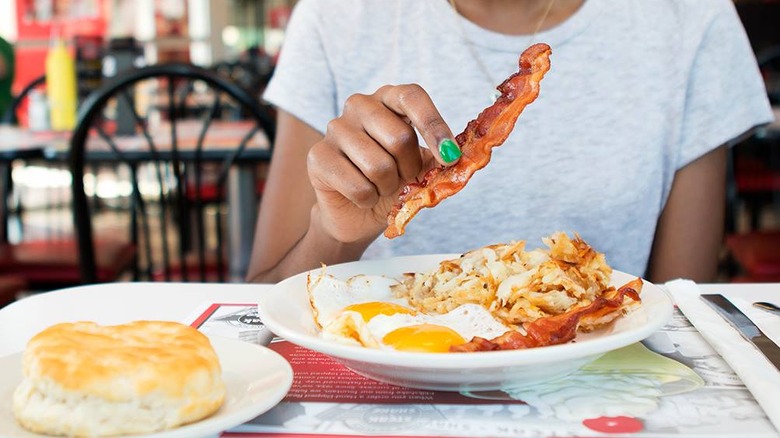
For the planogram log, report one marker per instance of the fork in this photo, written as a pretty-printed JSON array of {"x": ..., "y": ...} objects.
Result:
[{"x": 769, "y": 307}]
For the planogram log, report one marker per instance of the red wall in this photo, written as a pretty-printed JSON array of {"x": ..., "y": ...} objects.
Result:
[{"x": 34, "y": 34}]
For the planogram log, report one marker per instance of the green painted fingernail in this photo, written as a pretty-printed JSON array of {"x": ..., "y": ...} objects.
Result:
[{"x": 449, "y": 150}]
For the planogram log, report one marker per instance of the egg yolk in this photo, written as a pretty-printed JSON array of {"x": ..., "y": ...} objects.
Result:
[
  {"x": 374, "y": 308},
  {"x": 429, "y": 338}
]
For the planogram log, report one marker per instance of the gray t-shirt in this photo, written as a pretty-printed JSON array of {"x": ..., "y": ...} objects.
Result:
[{"x": 637, "y": 90}]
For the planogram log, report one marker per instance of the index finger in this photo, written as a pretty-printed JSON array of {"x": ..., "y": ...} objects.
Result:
[{"x": 414, "y": 103}]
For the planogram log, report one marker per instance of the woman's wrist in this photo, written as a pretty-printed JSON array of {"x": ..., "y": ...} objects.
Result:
[
  {"x": 315, "y": 247},
  {"x": 329, "y": 246}
]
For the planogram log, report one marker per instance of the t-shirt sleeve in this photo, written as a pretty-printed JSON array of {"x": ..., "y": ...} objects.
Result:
[
  {"x": 725, "y": 96},
  {"x": 303, "y": 82}
]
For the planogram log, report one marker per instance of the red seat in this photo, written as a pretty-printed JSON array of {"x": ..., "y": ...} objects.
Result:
[
  {"x": 757, "y": 253},
  {"x": 10, "y": 285},
  {"x": 47, "y": 264},
  {"x": 210, "y": 193},
  {"x": 752, "y": 175},
  {"x": 756, "y": 180}
]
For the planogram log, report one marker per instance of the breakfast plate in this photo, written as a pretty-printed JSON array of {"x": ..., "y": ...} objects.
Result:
[
  {"x": 286, "y": 311},
  {"x": 256, "y": 379}
]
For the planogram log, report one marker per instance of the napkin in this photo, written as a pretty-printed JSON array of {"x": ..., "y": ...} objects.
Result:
[{"x": 755, "y": 370}]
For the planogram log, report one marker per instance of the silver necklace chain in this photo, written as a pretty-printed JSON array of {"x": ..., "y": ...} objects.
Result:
[{"x": 473, "y": 51}]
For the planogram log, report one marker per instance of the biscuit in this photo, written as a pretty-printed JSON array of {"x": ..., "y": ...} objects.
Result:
[{"x": 83, "y": 379}]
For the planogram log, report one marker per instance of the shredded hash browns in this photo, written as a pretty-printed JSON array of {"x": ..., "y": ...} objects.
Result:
[{"x": 518, "y": 286}]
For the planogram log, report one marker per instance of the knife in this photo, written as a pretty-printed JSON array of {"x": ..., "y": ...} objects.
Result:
[{"x": 745, "y": 326}]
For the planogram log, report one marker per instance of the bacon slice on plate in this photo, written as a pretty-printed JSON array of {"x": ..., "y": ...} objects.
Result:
[
  {"x": 557, "y": 329},
  {"x": 481, "y": 135}
]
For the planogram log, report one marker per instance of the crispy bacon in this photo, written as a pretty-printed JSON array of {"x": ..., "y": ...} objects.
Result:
[
  {"x": 556, "y": 329},
  {"x": 488, "y": 130}
]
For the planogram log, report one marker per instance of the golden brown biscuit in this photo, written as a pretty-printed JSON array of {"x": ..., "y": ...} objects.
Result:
[{"x": 83, "y": 379}]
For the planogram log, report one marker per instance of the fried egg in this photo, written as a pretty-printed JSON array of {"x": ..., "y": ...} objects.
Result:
[
  {"x": 366, "y": 294},
  {"x": 435, "y": 333},
  {"x": 363, "y": 311}
]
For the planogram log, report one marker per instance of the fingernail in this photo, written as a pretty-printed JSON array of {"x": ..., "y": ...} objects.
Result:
[{"x": 449, "y": 150}]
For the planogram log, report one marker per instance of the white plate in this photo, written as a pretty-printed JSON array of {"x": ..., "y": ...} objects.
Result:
[
  {"x": 285, "y": 311},
  {"x": 256, "y": 379}
]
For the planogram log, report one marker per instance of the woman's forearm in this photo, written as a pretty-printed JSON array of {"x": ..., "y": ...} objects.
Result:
[{"x": 314, "y": 248}]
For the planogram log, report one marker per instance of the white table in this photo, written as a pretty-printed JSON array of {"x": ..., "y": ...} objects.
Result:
[
  {"x": 116, "y": 303},
  {"x": 122, "y": 302},
  {"x": 113, "y": 303}
]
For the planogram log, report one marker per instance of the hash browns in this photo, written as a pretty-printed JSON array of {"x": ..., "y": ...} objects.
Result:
[{"x": 517, "y": 286}]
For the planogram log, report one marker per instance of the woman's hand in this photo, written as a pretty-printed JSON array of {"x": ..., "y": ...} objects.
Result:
[{"x": 369, "y": 153}]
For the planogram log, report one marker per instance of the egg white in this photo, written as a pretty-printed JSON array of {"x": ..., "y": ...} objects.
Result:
[
  {"x": 468, "y": 320},
  {"x": 330, "y": 296}
]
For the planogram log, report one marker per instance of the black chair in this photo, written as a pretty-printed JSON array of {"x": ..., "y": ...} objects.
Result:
[
  {"x": 248, "y": 75},
  {"x": 52, "y": 200},
  {"x": 48, "y": 258},
  {"x": 754, "y": 186},
  {"x": 756, "y": 161},
  {"x": 12, "y": 113},
  {"x": 168, "y": 225},
  {"x": 11, "y": 116},
  {"x": 769, "y": 63}
]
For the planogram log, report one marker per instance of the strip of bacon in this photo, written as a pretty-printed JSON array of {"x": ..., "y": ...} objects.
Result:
[
  {"x": 557, "y": 329},
  {"x": 488, "y": 130}
]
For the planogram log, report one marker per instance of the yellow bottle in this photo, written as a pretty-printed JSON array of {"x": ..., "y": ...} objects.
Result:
[{"x": 61, "y": 87}]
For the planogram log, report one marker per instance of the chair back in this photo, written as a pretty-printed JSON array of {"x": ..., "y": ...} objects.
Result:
[
  {"x": 753, "y": 187},
  {"x": 754, "y": 167},
  {"x": 11, "y": 116},
  {"x": 175, "y": 166},
  {"x": 250, "y": 75},
  {"x": 769, "y": 64}
]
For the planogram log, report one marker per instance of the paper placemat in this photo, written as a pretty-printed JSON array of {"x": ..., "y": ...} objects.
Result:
[
  {"x": 755, "y": 370},
  {"x": 672, "y": 384}
]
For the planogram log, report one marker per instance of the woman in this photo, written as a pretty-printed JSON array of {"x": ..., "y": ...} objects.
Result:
[{"x": 626, "y": 144}]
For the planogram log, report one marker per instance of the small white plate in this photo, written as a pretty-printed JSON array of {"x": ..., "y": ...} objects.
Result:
[
  {"x": 256, "y": 378},
  {"x": 285, "y": 310}
]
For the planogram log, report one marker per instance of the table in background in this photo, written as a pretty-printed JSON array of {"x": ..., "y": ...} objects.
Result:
[
  {"x": 20, "y": 144},
  {"x": 221, "y": 139}
]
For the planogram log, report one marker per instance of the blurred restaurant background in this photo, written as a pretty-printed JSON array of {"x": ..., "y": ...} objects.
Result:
[{"x": 155, "y": 179}]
